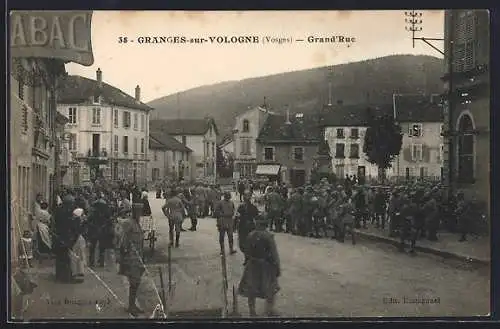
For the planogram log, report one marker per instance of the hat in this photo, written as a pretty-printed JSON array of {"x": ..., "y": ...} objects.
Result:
[{"x": 78, "y": 212}]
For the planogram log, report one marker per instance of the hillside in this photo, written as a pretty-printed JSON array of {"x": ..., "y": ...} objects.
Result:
[{"x": 307, "y": 90}]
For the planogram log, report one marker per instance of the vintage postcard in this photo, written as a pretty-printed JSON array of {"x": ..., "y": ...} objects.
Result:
[{"x": 174, "y": 165}]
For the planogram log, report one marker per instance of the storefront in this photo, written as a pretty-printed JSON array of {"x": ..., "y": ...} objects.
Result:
[
  {"x": 41, "y": 42},
  {"x": 270, "y": 171}
]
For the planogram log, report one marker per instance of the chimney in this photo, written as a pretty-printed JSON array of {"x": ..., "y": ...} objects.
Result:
[
  {"x": 99, "y": 77},
  {"x": 340, "y": 102},
  {"x": 287, "y": 117},
  {"x": 138, "y": 93}
]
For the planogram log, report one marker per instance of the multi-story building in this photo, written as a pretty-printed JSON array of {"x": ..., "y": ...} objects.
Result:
[
  {"x": 199, "y": 135},
  {"x": 467, "y": 118},
  {"x": 168, "y": 158},
  {"x": 421, "y": 121},
  {"x": 108, "y": 129},
  {"x": 37, "y": 59},
  {"x": 344, "y": 130},
  {"x": 286, "y": 147},
  {"x": 245, "y": 133}
]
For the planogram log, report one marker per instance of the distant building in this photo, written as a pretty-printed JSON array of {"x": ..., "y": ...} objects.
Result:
[
  {"x": 421, "y": 121},
  {"x": 286, "y": 147},
  {"x": 108, "y": 131},
  {"x": 168, "y": 158},
  {"x": 245, "y": 133},
  {"x": 199, "y": 135},
  {"x": 469, "y": 115}
]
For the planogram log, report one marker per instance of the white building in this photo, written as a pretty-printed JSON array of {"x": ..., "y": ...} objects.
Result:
[
  {"x": 245, "y": 133},
  {"x": 168, "y": 158},
  {"x": 108, "y": 131},
  {"x": 199, "y": 135}
]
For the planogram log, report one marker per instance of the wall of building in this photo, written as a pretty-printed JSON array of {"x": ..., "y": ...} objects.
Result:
[
  {"x": 431, "y": 160},
  {"x": 108, "y": 128},
  {"x": 349, "y": 166}
]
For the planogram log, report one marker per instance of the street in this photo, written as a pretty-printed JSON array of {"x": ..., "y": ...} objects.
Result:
[{"x": 323, "y": 278}]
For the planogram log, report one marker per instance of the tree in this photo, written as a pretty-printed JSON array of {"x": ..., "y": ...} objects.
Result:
[{"x": 383, "y": 141}]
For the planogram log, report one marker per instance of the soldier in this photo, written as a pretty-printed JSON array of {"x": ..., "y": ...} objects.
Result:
[
  {"x": 394, "y": 212},
  {"x": 100, "y": 229},
  {"x": 245, "y": 217},
  {"x": 174, "y": 211},
  {"x": 131, "y": 259},
  {"x": 318, "y": 214},
  {"x": 408, "y": 224},
  {"x": 379, "y": 208},
  {"x": 294, "y": 210},
  {"x": 275, "y": 206},
  {"x": 308, "y": 208},
  {"x": 432, "y": 215},
  {"x": 225, "y": 222},
  {"x": 211, "y": 200},
  {"x": 260, "y": 276},
  {"x": 200, "y": 200},
  {"x": 345, "y": 220}
]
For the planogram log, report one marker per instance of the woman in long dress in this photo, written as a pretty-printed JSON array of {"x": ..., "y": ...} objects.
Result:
[
  {"x": 77, "y": 251},
  {"x": 41, "y": 228},
  {"x": 146, "y": 210},
  {"x": 262, "y": 269}
]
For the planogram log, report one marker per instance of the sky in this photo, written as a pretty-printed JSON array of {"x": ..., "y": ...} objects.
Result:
[{"x": 164, "y": 69}]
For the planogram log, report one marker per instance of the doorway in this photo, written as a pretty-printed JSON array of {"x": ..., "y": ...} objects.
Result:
[
  {"x": 96, "y": 144},
  {"x": 297, "y": 177}
]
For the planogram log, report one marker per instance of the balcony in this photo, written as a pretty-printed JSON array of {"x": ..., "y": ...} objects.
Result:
[{"x": 96, "y": 157}]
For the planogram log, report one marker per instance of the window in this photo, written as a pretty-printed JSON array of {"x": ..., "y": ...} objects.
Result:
[
  {"x": 415, "y": 130},
  {"x": 142, "y": 145},
  {"x": 72, "y": 142},
  {"x": 96, "y": 116},
  {"x": 155, "y": 155},
  {"x": 339, "y": 171},
  {"x": 246, "y": 126},
  {"x": 423, "y": 172},
  {"x": 173, "y": 156},
  {"x": 155, "y": 173},
  {"x": 339, "y": 150},
  {"x": 126, "y": 119},
  {"x": 440, "y": 156},
  {"x": 465, "y": 41},
  {"x": 125, "y": 144},
  {"x": 136, "y": 121},
  {"x": 340, "y": 133},
  {"x": 246, "y": 146},
  {"x": 72, "y": 115},
  {"x": 441, "y": 130},
  {"x": 269, "y": 153},
  {"x": 213, "y": 149},
  {"x": 142, "y": 122},
  {"x": 466, "y": 150},
  {"x": 20, "y": 92},
  {"x": 407, "y": 173},
  {"x": 97, "y": 99},
  {"x": 184, "y": 140},
  {"x": 354, "y": 133},
  {"x": 416, "y": 152},
  {"x": 136, "y": 144},
  {"x": 354, "y": 151},
  {"x": 115, "y": 146},
  {"x": 115, "y": 118},
  {"x": 298, "y": 153},
  {"x": 24, "y": 120}
]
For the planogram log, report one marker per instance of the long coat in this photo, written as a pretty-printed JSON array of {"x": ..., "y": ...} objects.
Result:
[
  {"x": 131, "y": 250},
  {"x": 260, "y": 277},
  {"x": 246, "y": 216}
]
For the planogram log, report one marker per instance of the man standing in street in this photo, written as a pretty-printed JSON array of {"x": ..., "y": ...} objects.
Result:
[
  {"x": 100, "y": 228},
  {"x": 225, "y": 222},
  {"x": 245, "y": 217},
  {"x": 174, "y": 210}
]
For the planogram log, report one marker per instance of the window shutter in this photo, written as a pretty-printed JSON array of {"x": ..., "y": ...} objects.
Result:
[
  {"x": 421, "y": 154},
  {"x": 421, "y": 130},
  {"x": 410, "y": 130}
]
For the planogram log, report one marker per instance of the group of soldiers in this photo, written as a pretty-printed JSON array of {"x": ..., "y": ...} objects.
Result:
[{"x": 411, "y": 212}]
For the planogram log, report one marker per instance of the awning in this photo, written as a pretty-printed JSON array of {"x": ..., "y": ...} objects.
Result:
[{"x": 268, "y": 170}]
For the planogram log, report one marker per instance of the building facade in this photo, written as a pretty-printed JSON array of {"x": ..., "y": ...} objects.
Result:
[
  {"x": 467, "y": 114},
  {"x": 33, "y": 148},
  {"x": 108, "y": 131},
  {"x": 421, "y": 122},
  {"x": 245, "y": 133},
  {"x": 200, "y": 136},
  {"x": 286, "y": 147},
  {"x": 168, "y": 159}
]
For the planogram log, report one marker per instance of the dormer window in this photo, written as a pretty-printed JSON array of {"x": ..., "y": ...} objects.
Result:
[
  {"x": 246, "y": 126},
  {"x": 97, "y": 99}
]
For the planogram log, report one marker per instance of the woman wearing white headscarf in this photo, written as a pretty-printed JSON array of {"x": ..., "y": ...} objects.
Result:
[
  {"x": 41, "y": 228},
  {"x": 77, "y": 252}
]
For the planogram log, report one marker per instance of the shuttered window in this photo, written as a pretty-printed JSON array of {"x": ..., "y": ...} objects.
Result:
[{"x": 465, "y": 45}]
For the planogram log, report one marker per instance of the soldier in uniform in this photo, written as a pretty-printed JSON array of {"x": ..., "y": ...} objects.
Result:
[
  {"x": 131, "y": 259},
  {"x": 394, "y": 213},
  {"x": 225, "y": 222},
  {"x": 260, "y": 276},
  {"x": 174, "y": 210},
  {"x": 245, "y": 217},
  {"x": 295, "y": 210},
  {"x": 408, "y": 224},
  {"x": 100, "y": 230},
  {"x": 431, "y": 216},
  {"x": 379, "y": 208},
  {"x": 275, "y": 206}
]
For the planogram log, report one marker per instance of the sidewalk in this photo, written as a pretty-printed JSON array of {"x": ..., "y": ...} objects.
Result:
[{"x": 474, "y": 250}]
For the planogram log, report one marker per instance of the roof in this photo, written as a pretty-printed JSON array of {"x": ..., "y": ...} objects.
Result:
[
  {"x": 163, "y": 141},
  {"x": 417, "y": 108},
  {"x": 75, "y": 89},
  {"x": 275, "y": 129},
  {"x": 226, "y": 139},
  {"x": 176, "y": 127},
  {"x": 351, "y": 115}
]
